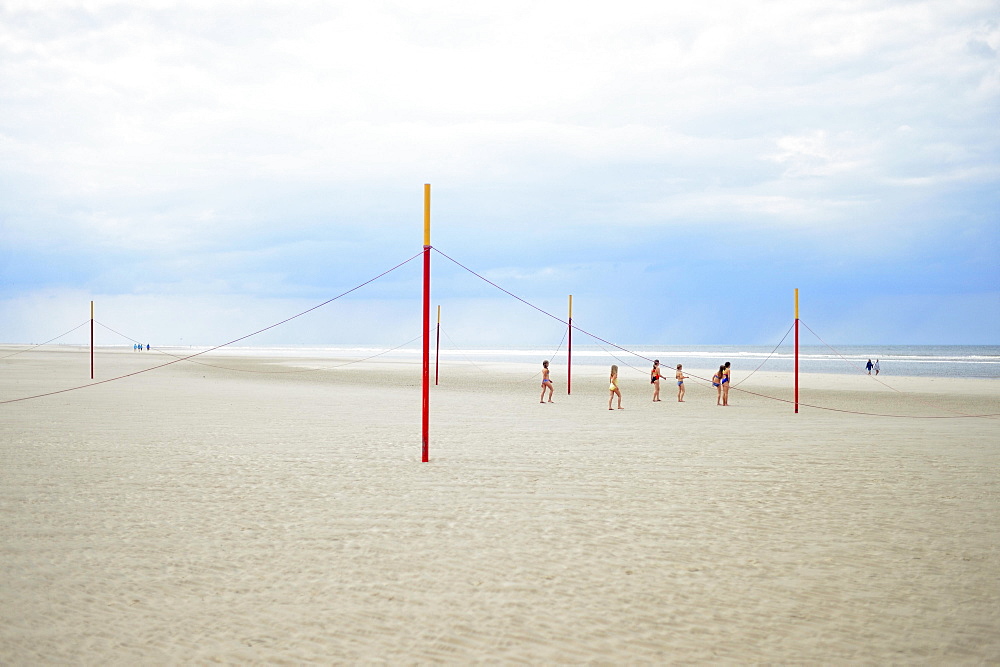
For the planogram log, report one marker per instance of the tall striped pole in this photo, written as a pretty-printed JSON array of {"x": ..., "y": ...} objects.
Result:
[
  {"x": 569, "y": 350},
  {"x": 437, "y": 348},
  {"x": 796, "y": 351},
  {"x": 91, "y": 340},
  {"x": 425, "y": 421}
]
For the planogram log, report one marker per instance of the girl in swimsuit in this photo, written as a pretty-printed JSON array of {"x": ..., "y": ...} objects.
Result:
[
  {"x": 546, "y": 382},
  {"x": 613, "y": 389},
  {"x": 717, "y": 383},
  {"x": 654, "y": 378},
  {"x": 725, "y": 384},
  {"x": 680, "y": 383}
]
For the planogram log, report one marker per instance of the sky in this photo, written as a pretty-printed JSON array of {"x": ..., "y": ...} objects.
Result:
[{"x": 203, "y": 170}]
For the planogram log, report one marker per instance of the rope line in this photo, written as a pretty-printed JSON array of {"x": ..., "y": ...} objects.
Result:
[
  {"x": 272, "y": 372},
  {"x": 792, "y": 326},
  {"x": 236, "y": 340},
  {"x": 554, "y": 354},
  {"x": 28, "y": 349}
]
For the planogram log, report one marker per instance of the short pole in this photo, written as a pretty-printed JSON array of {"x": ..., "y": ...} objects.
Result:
[
  {"x": 569, "y": 349},
  {"x": 437, "y": 348},
  {"x": 796, "y": 351}
]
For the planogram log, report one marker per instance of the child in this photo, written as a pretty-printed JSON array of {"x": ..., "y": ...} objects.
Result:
[
  {"x": 725, "y": 384},
  {"x": 654, "y": 379},
  {"x": 680, "y": 383},
  {"x": 613, "y": 389},
  {"x": 546, "y": 382},
  {"x": 717, "y": 383}
]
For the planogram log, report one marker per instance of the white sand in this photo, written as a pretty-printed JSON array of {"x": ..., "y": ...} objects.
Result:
[{"x": 196, "y": 514}]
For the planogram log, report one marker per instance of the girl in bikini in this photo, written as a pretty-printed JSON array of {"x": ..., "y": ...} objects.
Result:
[
  {"x": 613, "y": 389},
  {"x": 546, "y": 382},
  {"x": 654, "y": 378},
  {"x": 680, "y": 383},
  {"x": 725, "y": 384},
  {"x": 717, "y": 383}
]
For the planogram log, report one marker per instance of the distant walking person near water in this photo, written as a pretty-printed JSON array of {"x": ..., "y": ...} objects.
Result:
[
  {"x": 654, "y": 378},
  {"x": 680, "y": 383},
  {"x": 614, "y": 390},
  {"x": 875, "y": 367},
  {"x": 546, "y": 382},
  {"x": 869, "y": 366}
]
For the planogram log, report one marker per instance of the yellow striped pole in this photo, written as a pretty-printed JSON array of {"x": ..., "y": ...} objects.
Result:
[
  {"x": 425, "y": 419},
  {"x": 796, "y": 351}
]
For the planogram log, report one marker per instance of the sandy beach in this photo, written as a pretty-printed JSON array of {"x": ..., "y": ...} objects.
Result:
[{"x": 269, "y": 510}]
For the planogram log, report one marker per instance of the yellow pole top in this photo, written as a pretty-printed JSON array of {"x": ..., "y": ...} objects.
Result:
[
  {"x": 91, "y": 310},
  {"x": 570, "y": 306},
  {"x": 427, "y": 214},
  {"x": 439, "y": 314},
  {"x": 796, "y": 303}
]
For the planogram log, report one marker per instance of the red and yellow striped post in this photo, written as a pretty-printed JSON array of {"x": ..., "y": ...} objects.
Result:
[
  {"x": 425, "y": 421},
  {"x": 796, "y": 351}
]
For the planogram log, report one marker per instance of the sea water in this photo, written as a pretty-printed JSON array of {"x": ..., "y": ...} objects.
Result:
[{"x": 969, "y": 361}]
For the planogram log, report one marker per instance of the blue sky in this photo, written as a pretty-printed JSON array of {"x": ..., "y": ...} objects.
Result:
[{"x": 204, "y": 169}]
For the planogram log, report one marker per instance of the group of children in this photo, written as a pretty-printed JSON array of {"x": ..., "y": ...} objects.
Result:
[{"x": 720, "y": 381}]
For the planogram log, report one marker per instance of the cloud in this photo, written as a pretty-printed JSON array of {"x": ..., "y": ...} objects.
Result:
[{"x": 267, "y": 151}]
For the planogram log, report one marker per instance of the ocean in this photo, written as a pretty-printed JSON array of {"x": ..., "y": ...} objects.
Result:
[{"x": 969, "y": 361}]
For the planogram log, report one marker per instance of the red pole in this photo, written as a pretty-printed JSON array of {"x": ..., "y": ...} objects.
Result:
[
  {"x": 796, "y": 351},
  {"x": 91, "y": 340},
  {"x": 569, "y": 350},
  {"x": 427, "y": 326},
  {"x": 437, "y": 348}
]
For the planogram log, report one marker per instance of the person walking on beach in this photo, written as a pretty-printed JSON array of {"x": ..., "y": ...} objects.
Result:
[
  {"x": 680, "y": 383},
  {"x": 654, "y": 378},
  {"x": 613, "y": 389},
  {"x": 546, "y": 382},
  {"x": 717, "y": 383},
  {"x": 875, "y": 367},
  {"x": 725, "y": 383},
  {"x": 869, "y": 366}
]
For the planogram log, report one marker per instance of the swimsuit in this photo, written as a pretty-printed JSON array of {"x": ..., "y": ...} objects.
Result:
[
  {"x": 546, "y": 380},
  {"x": 680, "y": 383}
]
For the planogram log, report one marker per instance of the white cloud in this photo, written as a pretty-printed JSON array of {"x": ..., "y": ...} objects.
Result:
[{"x": 168, "y": 128}]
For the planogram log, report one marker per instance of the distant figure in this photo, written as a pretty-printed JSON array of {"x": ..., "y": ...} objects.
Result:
[
  {"x": 613, "y": 389},
  {"x": 725, "y": 383},
  {"x": 717, "y": 383},
  {"x": 546, "y": 382},
  {"x": 869, "y": 366},
  {"x": 654, "y": 378},
  {"x": 680, "y": 383},
  {"x": 876, "y": 367},
  {"x": 147, "y": 347}
]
